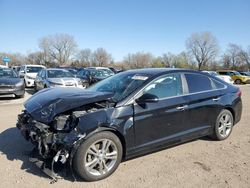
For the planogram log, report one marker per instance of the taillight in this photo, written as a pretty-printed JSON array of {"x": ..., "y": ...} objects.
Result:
[{"x": 239, "y": 93}]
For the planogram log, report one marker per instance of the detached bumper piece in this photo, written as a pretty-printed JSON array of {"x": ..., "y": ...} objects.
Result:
[{"x": 56, "y": 168}]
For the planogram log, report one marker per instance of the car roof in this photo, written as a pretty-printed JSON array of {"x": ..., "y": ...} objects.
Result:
[
  {"x": 56, "y": 69},
  {"x": 159, "y": 71},
  {"x": 34, "y": 65},
  {"x": 226, "y": 71},
  {"x": 98, "y": 68}
]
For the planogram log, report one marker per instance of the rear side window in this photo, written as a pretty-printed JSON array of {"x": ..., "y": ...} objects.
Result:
[{"x": 198, "y": 83}]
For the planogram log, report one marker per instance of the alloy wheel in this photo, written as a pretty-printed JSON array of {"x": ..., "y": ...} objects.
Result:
[
  {"x": 101, "y": 157},
  {"x": 225, "y": 125}
]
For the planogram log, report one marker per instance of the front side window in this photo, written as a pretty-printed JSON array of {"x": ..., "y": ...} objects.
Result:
[
  {"x": 198, "y": 83},
  {"x": 167, "y": 86}
]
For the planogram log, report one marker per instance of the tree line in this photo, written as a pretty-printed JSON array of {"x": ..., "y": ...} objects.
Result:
[{"x": 202, "y": 53}]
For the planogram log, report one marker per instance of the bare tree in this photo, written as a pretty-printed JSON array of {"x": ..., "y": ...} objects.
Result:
[
  {"x": 225, "y": 60},
  {"x": 101, "y": 57},
  {"x": 59, "y": 47},
  {"x": 203, "y": 47},
  {"x": 85, "y": 57},
  {"x": 139, "y": 60},
  {"x": 168, "y": 59},
  {"x": 244, "y": 57},
  {"x": 233, "y": 52}
]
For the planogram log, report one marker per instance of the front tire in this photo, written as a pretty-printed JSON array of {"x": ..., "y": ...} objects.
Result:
[
  {"x": 98, "y": 156},
  {"x": 224, "y": 125}
]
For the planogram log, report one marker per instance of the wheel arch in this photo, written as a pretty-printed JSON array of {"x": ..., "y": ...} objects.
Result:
[
  {"x": 230, "y": 109},
  {"x": 115, "y": 132}
]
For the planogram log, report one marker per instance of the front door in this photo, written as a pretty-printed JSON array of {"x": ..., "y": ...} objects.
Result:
[{"x": 163, "y": 121}]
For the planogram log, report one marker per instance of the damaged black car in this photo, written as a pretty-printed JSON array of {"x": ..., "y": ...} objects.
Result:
[{"x": 127, "y": 115}]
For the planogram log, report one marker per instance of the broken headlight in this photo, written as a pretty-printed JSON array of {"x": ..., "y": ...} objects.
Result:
[{"x": 63, "y": 123}]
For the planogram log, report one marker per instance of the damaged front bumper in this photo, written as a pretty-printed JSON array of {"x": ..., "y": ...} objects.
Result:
[{"x": 51, "y": 147}]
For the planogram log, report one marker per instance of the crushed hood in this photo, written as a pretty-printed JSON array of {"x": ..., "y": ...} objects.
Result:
[{"x": 46, "y": 104}]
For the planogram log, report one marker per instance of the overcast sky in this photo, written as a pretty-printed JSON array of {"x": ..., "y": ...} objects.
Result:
[{"x": 123, "y": 26}]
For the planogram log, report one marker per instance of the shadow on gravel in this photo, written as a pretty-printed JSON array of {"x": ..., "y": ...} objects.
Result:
[
  {"x": 8, "y": 98},
  {"x": 30, "y": 91},
  {"x": 16, "y": 148}
]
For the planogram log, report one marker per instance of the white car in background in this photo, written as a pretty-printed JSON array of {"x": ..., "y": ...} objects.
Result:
[
  {"x": 226, "y": 78},
  {"x": 29, "y": 73}
]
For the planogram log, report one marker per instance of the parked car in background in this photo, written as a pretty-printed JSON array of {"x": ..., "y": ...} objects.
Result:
[
  {"x": 226, "y": 78},
  {"x": 10, "y": 83},
  {"x": 74, "y": 71},
  {"x": 16, "y": 68},
  {"x": 29, "y": 72},
  {"x": 92, "y": 75},
  {"x": 3, "y": 66},
  {"x": 236, "y": 76},
  {"x": 48, "y": 78},
  {"x": 127, "y": 115},
  {"x": 245, "y": 73}
]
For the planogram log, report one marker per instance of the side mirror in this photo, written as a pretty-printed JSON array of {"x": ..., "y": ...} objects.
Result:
[{"x": 147, "y": 98}]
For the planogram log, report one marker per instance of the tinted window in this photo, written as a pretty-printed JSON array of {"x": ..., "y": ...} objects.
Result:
[
  {"x": 167, "y": 86},
  {"x": 198, "y": 83}
]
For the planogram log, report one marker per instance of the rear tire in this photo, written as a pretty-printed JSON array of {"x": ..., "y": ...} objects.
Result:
[
  {"x": 238, "y": 81},
  {"x": 224, "y": 125},
  {"x": 98, "y": 156}
]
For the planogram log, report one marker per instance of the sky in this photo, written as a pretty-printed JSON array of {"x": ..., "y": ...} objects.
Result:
[{"x": 123, "y": 26}]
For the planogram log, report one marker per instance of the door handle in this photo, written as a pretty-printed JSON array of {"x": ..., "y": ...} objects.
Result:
[
  {"x": 216, "y": 99},
  {"x": 182, "y": 107}
]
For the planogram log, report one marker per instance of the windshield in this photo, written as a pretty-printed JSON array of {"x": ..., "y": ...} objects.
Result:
[
  {"x": 121, "y": 85},
  {"x": 73, "y": 71},
  {"x": 33, "y": 69},
  {"x": 7, "y": 73},
  {"x": 101, "y": 73},
  {"x": 59, "y": 74}
]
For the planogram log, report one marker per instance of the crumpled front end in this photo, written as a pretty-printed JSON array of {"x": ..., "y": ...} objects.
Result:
[{"x": 53, "y": 143}]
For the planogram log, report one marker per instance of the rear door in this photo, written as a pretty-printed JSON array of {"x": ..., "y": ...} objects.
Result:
[{"x": 203, "y": 101}]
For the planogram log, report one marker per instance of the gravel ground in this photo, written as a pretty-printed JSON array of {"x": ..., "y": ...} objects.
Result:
[{"x": 200, "y": 163}]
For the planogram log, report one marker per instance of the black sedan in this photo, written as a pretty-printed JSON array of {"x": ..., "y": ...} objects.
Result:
[
  {"x": 10, "y": 84},
  {"x": 127, "y": 115},
  {"x": 92, "y": 75}
]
